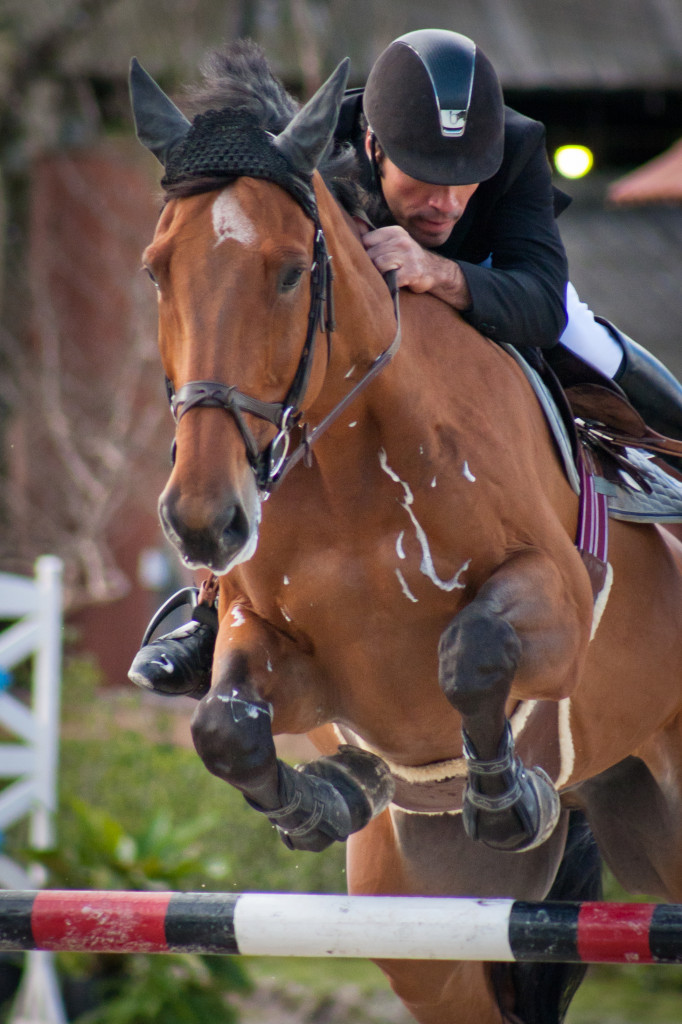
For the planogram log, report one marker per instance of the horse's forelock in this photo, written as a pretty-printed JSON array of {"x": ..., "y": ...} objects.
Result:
[{"x": 240, "y": 76}]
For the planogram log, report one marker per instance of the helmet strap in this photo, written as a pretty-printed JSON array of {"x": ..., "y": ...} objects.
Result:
[{"x": 373, "y": 162}]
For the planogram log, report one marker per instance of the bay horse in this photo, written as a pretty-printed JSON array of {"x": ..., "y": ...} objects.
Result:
[{"x": 410, "y": 593}]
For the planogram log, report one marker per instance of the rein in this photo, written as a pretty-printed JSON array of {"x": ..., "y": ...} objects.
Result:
[{"x": 272, "y": 464}]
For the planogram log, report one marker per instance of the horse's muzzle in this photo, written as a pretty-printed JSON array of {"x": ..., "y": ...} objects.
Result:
[{"x": 208, "y": 539}]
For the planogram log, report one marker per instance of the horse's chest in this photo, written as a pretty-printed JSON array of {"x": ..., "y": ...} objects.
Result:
[
  {"x": 386, "y": 575},
  {"x": 389, "y": 587}
]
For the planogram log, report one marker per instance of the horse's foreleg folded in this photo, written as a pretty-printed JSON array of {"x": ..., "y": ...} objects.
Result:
[
  {"x": 312, "y": 805},
  {"x": 525, "y": 634},
  {"x": 260, "y": 674}
]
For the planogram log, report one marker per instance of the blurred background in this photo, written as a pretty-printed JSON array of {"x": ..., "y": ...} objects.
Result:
[{"x": 84, "y": 428}]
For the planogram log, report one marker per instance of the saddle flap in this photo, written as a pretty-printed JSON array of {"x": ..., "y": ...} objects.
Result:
[
  {"x": 616, "y": 421},
  {"x": 599, "y": 404},
  {"x": 616, "y": 438}
]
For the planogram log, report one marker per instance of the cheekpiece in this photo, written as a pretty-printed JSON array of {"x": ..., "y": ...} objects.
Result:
[{"x": 230, "y": 144}]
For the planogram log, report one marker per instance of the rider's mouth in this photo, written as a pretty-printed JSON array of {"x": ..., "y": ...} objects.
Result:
[{"x": 434, "y": 227}]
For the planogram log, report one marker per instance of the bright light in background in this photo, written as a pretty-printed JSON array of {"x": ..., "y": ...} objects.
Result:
[{"x": 573, "y": 161}]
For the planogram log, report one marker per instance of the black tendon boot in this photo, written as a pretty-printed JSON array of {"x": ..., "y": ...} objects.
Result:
[
  {"x": 180, "y": 662},
  {"x": 653, "y": 390}
]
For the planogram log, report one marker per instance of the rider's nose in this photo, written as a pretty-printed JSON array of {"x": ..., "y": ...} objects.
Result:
[{"x": 447, "y": 200}]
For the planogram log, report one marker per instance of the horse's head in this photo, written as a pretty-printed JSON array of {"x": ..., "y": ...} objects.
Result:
[{"x": 240, "y": 266}]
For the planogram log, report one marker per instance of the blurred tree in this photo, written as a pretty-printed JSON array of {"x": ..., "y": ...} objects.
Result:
[
  {"x": 34, "y": 101},
  {"x": 81, "y": 407},
  {"x": 37, "y": 104},
  {"x": 81, "y": 398}
]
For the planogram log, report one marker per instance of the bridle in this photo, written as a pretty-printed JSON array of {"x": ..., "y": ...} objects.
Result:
[{"x": 272, "y": 464}]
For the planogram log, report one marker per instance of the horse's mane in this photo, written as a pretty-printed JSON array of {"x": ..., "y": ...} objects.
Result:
[{"x": 239, "y": 76}]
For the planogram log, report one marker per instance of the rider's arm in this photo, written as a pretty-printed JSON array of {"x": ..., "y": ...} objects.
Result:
[
  {"x": 519, "y": 295},
  {"x": 520, "y": 299}
]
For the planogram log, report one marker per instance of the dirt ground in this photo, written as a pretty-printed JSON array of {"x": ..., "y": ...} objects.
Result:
[{"x": 296, "y": 1005}]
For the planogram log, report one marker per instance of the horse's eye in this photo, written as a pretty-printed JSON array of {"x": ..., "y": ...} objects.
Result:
[
  {"x": 289, "y": 278},
  {"x": 149, "y": 273}
]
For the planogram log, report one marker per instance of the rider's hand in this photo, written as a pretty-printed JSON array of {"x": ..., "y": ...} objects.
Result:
[{"x": 418, "y": 269}]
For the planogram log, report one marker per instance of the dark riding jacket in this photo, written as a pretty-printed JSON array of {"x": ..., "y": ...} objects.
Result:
[{"x": 520, "y": 298}]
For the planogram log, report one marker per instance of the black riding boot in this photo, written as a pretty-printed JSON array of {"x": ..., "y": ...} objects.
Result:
[
  {"x": 653, "y": 390},
  {"x": 180, "y": 662}
]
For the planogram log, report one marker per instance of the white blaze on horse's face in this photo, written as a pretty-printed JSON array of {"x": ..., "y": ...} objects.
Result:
[{"x": 230, "y": 221}]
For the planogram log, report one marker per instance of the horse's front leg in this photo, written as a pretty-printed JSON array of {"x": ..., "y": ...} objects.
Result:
[
  {"x": 262, "y": 679},
  {"x": 524, "y": 636}
]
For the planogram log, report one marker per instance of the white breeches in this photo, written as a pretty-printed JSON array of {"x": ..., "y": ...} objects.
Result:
[{"x": 589, "y": 339}]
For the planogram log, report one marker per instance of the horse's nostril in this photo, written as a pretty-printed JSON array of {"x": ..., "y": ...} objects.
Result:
[
  {"x": 204, "y": 536},
  {"x": 236, "y": 528}
]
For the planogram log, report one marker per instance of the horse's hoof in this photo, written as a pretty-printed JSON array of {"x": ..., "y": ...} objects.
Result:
[
  {"x": 520, "y": 817},
  {"x": 363, "y": 780},
  {"x": 518, "y": 826},
  {"x": 328, "y": 799}
]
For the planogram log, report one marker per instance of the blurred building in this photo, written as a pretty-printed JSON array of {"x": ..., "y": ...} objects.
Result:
[{"x": 657, "y": 181}]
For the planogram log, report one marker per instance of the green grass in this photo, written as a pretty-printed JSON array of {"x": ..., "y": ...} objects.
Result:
[
  {"x": 131, "y": 779},
  {"x": 636, "y": 995},
  {"x": 323, "y": 976}
]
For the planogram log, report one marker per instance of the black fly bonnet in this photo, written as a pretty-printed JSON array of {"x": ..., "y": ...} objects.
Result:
[{"x": 231, "y": 144}]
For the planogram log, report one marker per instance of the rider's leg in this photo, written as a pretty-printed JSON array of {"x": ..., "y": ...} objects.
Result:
[{"x": 653, "y": 390}]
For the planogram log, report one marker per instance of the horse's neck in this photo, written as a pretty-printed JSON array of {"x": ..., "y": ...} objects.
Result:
[
  {"x": 447, "y": 390},
  {"x": 366, "y": 315},
  {"x": 364, "y": 310}
]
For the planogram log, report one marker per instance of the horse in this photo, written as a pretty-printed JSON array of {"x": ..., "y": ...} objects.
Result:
[{"x": 376, "y": 488}]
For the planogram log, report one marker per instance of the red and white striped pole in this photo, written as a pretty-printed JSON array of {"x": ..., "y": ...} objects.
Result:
[{"x": 378, "y": 927}]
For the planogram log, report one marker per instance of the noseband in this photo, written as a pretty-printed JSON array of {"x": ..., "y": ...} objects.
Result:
[{"x": 271, "y": 465}]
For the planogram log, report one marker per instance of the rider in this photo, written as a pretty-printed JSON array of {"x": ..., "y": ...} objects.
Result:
[{"x": 465, "y": 209}]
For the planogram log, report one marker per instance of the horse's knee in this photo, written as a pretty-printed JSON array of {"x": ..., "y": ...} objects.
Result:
[
  {"x": 233, "y": 737},
  {"x": 479, "y": 653}
]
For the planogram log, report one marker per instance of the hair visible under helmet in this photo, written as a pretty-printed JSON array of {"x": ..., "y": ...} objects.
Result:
[{"x": 434, "y": 103}]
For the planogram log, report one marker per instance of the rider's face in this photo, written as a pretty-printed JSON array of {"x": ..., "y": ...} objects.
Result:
[{"x": 427, "y": 212}]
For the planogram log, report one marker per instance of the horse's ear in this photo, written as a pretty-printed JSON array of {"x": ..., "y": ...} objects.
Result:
[
  {"x": 160, "y": 126},
  {"x": 306, "y": 137}
]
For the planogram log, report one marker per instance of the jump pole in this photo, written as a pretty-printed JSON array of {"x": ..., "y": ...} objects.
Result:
[{"x": 373, "y": 927}]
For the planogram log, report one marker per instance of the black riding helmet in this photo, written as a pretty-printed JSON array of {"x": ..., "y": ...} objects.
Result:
[{"x": 434, "y": 103}]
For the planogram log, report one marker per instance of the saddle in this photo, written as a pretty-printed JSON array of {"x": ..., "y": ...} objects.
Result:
[{"x": 592, "y": 421}]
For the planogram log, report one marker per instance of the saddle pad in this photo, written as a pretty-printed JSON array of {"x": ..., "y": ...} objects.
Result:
[
  {"x": 626, "y": 501},
  {"x": 630, "y": 503},
  {"x": 552, "y": 414}
]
